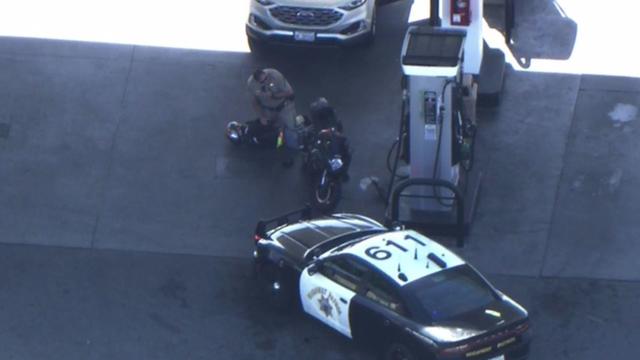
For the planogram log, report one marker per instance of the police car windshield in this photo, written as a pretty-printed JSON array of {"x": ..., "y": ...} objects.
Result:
[{"x": 449, "y": 293}]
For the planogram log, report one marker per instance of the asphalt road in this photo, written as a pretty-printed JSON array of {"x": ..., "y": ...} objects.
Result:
[{"x": 58, "y": 303}]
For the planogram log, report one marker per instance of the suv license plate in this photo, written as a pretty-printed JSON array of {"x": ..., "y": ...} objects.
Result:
[
  {"x": 501, "y": 357},
  {"x": 304, "y": 36}
]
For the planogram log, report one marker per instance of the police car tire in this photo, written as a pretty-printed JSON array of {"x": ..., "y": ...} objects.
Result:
[
  {"x": 280, "y": 299},
  {"x": 399, "y": 351}
]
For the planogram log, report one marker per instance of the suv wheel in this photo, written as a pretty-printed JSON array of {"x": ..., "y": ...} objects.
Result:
[{"x": 372, "y": 33}]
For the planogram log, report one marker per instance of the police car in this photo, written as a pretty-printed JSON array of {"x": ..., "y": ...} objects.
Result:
[{"x": 390, "y": 287}]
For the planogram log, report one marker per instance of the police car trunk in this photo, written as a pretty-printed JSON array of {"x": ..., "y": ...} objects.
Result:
[{"x": 301, "y": 237}]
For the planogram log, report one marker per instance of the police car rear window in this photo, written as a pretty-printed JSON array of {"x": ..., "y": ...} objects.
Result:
[
  {"x": 450, "y": 293},
  {"x": 357, "y": 237}
]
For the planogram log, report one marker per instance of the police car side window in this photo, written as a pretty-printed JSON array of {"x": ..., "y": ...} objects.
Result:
[
  {"x": 379, "y": 290},
  {"x": 344, "y": 272}
]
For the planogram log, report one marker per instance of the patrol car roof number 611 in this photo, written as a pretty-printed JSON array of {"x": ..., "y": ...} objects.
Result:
[{"x": 376, "y": 253}]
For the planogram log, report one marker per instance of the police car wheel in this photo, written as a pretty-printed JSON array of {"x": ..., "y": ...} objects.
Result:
[
  {"x": 399, "y": 351},
  {"x": 275, "y": 287}
]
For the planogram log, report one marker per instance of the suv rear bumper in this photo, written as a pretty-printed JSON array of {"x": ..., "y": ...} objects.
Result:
[
  {"x": 351, "y": 27},
  {"x": 287, "y": 37}
]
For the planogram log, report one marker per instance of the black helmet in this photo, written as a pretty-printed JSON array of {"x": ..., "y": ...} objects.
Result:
[
  {"x": 235, "y": 131},
  {"x": 320, "y": 107},
  {"x": 322, "y": 114}
]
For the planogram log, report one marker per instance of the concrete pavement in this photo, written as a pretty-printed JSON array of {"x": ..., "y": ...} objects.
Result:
[{"x": 119, "y": 147}]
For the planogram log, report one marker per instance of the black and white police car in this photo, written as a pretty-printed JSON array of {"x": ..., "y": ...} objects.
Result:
[{"x": 390, "y": 287}]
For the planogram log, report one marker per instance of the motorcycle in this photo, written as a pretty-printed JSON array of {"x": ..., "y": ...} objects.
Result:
[
  {"x": 253, "y": 133},
  {"x": 326, "y": 158}
]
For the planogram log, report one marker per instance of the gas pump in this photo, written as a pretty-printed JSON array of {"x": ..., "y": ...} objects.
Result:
[{"x": 440, "y": 60}]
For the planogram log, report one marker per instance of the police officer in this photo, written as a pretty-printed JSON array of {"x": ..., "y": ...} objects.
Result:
[{"x": 272, "y": 98}]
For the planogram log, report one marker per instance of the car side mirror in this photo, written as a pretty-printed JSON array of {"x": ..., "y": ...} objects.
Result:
[
  {"x": 314, "y": 268},
  {"x": 397, "y": 226}
]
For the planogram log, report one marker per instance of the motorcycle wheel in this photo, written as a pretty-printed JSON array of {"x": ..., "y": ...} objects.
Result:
[{"x": 326, "y": 198}]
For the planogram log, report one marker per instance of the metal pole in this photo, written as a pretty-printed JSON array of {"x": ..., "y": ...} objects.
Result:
[
  {"x": 509, "y": 20},
  {"x": 403, "y": 124},
  {"x": 434, "y": 17}
]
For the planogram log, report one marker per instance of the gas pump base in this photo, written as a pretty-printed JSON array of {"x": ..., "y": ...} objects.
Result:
[
  {"x": 455, "y": 223},
  {"x": 491, "y": 78}
]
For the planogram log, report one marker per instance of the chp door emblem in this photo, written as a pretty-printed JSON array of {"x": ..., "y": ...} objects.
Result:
[
  {"x": 325, "y": 301},
  {"x": 325, "y": 306}
]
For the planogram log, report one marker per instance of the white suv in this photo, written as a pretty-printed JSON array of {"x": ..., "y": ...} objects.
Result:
[{"x": 312, "y": 21}]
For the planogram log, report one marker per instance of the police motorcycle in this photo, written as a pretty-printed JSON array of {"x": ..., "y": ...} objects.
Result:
[
  {"x": 326, "y": 156},
  {"x": 325, "y": 153}
]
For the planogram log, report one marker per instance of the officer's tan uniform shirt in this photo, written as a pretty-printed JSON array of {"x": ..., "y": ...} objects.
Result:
[{"x": 274, "y": 83}]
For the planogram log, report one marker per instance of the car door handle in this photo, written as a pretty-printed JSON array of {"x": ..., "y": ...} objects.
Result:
[
  {"x": 342, "y": 300},
  {"x": 386, "y": 323}
]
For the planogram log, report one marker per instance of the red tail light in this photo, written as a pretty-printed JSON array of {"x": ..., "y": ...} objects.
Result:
[{"x": 256, "y": 238}]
